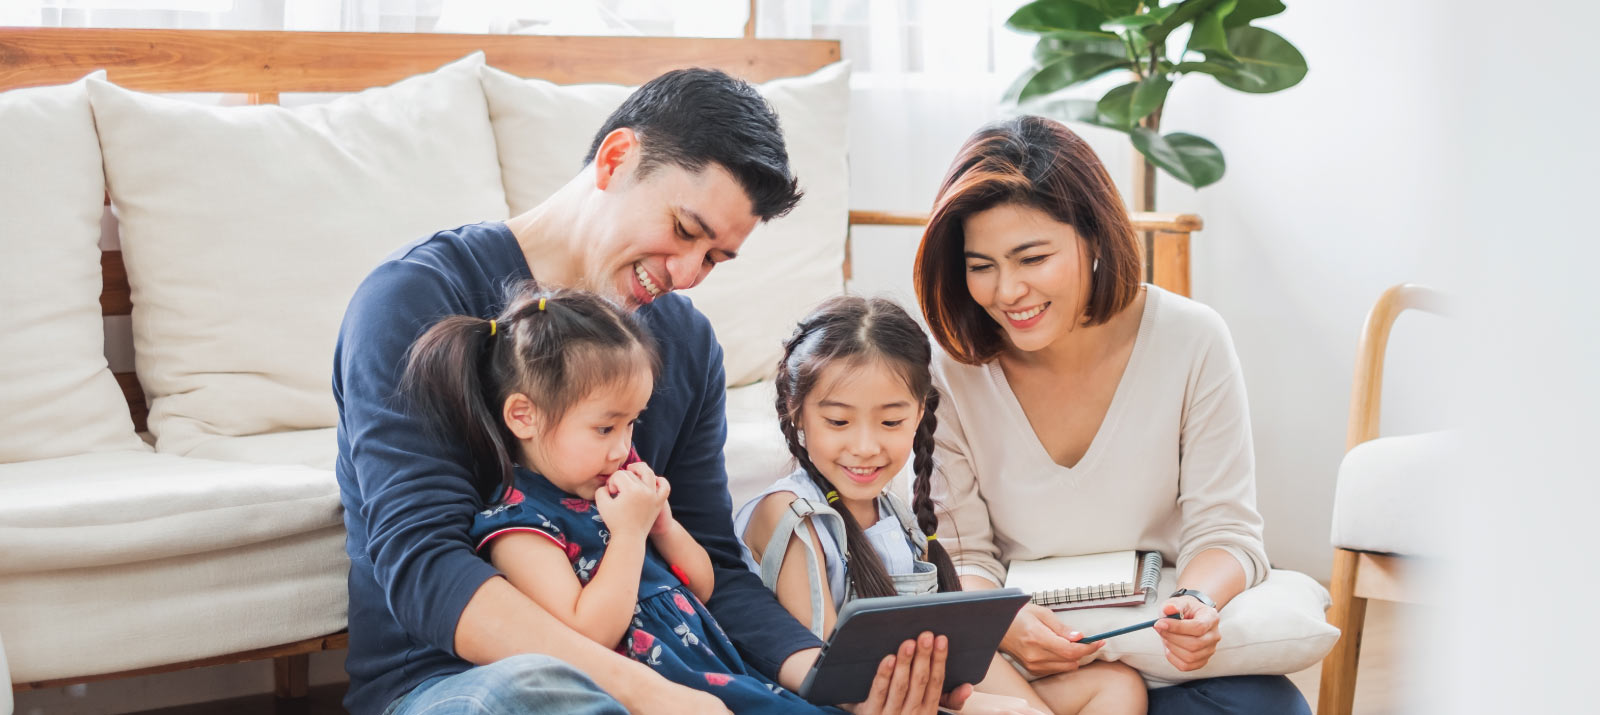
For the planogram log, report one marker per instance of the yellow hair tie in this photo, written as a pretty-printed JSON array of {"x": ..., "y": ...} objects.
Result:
[
  {"x": 541, "y": 305},
  {"x": 491, "y": 327},
  {"x": 933, "y": 537},
  {"x": 833, "y": 497}
]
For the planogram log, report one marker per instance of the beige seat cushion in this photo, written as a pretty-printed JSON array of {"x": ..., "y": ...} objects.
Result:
[
  {"x": 1391, "y": 494},
  {"x": 756, "y": 454},
  {"x": 246, "y": 230},
  {"x": 785, "y": 268},
  {"x": 121, "y": 561},
  {"x": 57, "y": 396},
  {"x": 1276, "y": 628}
]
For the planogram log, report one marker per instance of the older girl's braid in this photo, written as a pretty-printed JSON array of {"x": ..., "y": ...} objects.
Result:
[
  {"x": 922, "y": 501},
  {"x": 863, "y": 567}
]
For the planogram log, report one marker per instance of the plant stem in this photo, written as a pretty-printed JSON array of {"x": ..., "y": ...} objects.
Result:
[{"x": 1144, "y": 180}]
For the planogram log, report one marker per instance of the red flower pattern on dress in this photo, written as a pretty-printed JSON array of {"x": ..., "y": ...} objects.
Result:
[
  {"x": 573, "y": 550},
  {"x": 718, "y": 678},
  {"x": 581, "y": 506},
  {"x": 513, "y": 497},
  {"x": 642, "y": 642},
  {"x": 682, "y": 603}
]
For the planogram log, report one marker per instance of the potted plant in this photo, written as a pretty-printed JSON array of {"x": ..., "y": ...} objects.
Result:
[{"x": 1080, "y": 40}]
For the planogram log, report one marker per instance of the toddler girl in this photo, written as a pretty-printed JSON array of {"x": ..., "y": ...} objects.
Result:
[{"x": 544, "y": 398}]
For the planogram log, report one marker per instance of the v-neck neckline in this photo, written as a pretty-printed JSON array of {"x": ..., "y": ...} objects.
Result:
[{"x": 1113, "y": 411}]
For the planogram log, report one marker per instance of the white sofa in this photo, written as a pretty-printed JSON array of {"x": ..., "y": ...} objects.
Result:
[{"x": 244, "y": 230}]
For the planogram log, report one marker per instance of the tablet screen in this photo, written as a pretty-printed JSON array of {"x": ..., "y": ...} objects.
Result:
[{"x": 871, "y": 628}]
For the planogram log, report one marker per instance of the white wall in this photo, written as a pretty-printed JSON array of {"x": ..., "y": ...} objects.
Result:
[{"x": 1331, "y": 195}]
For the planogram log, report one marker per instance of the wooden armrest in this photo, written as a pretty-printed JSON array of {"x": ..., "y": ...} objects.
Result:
[{"x": 1367, "y": 393}]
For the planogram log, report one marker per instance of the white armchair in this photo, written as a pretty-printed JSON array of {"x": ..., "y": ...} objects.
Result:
[{"x": 1382, "y": 505}]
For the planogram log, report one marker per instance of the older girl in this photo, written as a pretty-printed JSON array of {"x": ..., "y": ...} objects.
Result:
[{"x": 855, "y": 401}]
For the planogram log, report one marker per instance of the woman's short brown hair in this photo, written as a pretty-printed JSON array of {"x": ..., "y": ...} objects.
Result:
[{"x": 1034, "y": 162}]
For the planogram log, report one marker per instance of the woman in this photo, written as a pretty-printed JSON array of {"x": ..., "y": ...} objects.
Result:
[{"x": 1084, "y": 410}]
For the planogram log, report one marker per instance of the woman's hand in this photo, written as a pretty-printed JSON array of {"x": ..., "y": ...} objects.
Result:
[
  {"x": 629, "y": 504},
  {"x": 993, "y": 704},
  {"x": 912, "y": 681},
  {"x": 1043, "y": 644},
  {"x": 1192, "y": 641}
]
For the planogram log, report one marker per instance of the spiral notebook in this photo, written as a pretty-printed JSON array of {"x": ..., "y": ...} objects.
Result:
[{"x": 1064, "y": 583}]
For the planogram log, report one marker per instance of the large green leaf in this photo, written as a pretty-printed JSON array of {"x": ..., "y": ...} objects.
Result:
[
  {"x": 1112, "y": 8},
  {"x": 1218, "y": 67},
  {"x": 1130, "y": 22},
  {"x": 1181, "y": 14},
  {"x": 1054, "y": 46},
  {"x": 1208, "y": 35},
  {"x": 1044, "y": 16},
  {"x": 1270, "y": 62},
  {"x": 1248, "y": 10},
  {"x": 1068, "y": 71},
  {"x": 1141, "y": 20},
  {"x": 1188, "y": 158},
  {"x": 1124, "y": 106},
  {"x": 1085, "y": 111}
]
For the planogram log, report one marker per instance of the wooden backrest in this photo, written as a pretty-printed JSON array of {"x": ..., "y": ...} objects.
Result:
[{"x": 263, "y": 65}]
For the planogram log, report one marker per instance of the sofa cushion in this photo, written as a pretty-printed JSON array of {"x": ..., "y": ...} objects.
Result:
[
  {"x": 155, "y": 558},
  {"x": 246, "y": 229},
  {"x": 1389, "y": 494},
  {"x": 785, "y": 268},
  {"x": 57, "y": 396},
  {"x": 313, "y": 447}
]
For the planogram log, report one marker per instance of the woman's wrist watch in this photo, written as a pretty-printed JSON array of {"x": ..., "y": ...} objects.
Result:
[{"x": 1196, "y": 595}]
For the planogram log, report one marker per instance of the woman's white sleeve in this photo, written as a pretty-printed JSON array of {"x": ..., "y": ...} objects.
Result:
[
  {"x": 964, "y": 527},
  {"x": 1217, "y": 471}
]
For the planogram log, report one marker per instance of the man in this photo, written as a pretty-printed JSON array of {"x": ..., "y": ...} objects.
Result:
[{"x": 674, "y": 183}]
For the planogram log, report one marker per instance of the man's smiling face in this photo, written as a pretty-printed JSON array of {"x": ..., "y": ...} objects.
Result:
[{"x": 662, "y": 232}]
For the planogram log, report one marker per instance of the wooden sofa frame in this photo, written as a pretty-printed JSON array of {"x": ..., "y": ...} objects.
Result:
[{"x": 262, "y": 65}]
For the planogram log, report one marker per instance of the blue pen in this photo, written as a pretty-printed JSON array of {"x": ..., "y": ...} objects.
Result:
[{"x": 1129, "y": 629}]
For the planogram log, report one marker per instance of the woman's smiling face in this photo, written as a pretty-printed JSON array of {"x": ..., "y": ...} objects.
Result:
[{"x": 1028, "y": 271}]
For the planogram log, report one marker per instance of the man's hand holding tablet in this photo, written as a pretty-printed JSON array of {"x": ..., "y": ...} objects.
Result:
[{"x": 878, "y": 637}]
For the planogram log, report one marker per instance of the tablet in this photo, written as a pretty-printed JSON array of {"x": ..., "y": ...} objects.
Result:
[{"x": 870, "y": 628}]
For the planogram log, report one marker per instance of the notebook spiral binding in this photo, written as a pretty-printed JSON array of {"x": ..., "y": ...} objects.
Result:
[{"x": 1149, "y": 578}]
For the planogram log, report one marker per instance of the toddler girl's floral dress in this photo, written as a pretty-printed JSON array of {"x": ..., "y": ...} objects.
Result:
[{"x": 671, "y": 630}]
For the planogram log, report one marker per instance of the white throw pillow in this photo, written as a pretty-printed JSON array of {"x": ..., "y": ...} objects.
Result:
[
  {"x": 787, "y": 266},
  {"x": 1278, "y": 627},
  {"x": 246, "y": 230},
  {"x": 57, "y": 396}
]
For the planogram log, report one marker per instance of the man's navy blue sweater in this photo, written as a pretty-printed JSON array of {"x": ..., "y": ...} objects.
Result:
[{"x": 408, "y": 499}]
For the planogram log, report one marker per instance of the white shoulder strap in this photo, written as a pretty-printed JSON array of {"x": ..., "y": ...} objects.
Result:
[{"x": 793, "y": 522}]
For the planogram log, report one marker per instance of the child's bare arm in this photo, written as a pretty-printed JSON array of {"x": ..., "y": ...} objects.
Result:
[
  {"x": 539, "y": 568},
  {"x": 794, "y": 584},
  {"x": 680, "y": 549}
]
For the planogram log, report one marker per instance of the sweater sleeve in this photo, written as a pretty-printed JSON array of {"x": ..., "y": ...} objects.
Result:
[
  {"x": 764, "y": 632},
  {"x": 964, "y": 525},
  {"x": 416, "y": 497},
  {"x": 1216, "y": 462}
]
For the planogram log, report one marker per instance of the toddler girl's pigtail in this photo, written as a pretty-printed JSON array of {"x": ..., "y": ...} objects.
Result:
[{"x": 446, "y": 382}]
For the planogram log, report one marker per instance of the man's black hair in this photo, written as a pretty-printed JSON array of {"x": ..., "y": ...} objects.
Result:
[{"x": 694, "y": 117}]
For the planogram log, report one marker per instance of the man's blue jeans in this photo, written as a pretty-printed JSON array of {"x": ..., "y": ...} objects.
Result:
[{"x": 519, "y": 684}]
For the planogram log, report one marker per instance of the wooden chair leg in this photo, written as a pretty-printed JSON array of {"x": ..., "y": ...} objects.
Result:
[
  {"x": 291, "y": 676},
  {"x": 1338, "y": 688}
]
